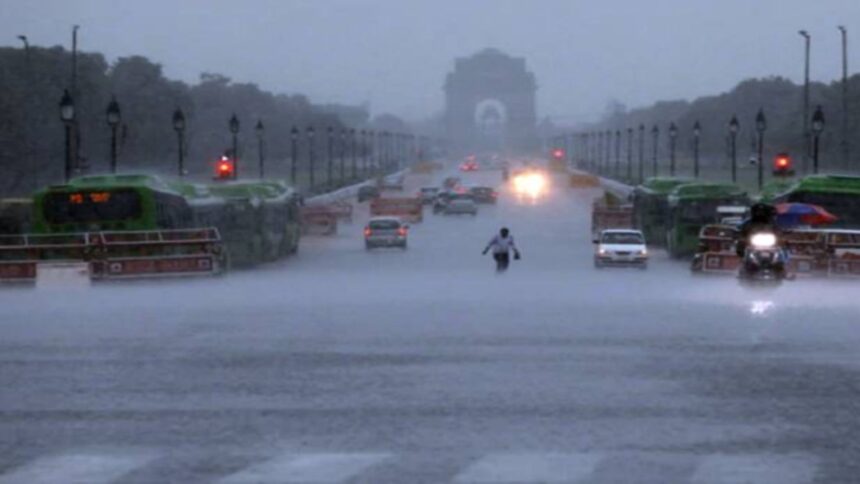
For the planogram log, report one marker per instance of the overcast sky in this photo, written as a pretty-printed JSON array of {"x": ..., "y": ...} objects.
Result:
[{"x": 394, "y": 54}]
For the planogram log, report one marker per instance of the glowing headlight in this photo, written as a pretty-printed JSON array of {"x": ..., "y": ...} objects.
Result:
[
  {"x": 763, "y": 241},
  {"x": 531, "y": 184}
]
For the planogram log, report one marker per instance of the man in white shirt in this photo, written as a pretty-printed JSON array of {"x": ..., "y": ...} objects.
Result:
[{"x": 502, "y": 245}]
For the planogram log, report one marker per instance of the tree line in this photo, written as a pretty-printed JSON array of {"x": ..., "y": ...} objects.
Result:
[{"x": 32, "y": 143}]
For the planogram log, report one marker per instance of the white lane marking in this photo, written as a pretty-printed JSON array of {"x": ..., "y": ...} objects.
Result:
[
  {"x": 306, "y": 468},
  {"x": 755, "y": 469},
  {"x": 530, "y": 467},
  {"x": 84, "y": 467}
]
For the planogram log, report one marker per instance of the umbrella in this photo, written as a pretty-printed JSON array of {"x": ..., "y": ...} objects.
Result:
[{"x": 791, "y": 214}]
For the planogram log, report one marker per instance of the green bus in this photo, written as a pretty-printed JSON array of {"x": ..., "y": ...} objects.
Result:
[
  {"x": 693, "y": 205},
  {"x": 838, "y": 194},
  {"x": 651, "y": 207},
  {"x": 258, "y": 221}
]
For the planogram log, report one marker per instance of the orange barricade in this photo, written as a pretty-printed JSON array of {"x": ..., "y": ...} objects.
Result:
[{"x": 409, "y": 209}]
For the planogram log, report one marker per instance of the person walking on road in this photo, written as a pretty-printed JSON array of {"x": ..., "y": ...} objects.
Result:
[{"x": 502, "y": 246}]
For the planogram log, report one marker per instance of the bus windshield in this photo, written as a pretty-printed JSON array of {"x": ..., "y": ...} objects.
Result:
[{"x": 88, "y": 206}]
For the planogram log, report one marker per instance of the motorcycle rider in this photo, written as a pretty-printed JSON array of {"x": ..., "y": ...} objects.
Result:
[
  {"x": 762, "y": 219},
  {"x": 502, "y": 245}
]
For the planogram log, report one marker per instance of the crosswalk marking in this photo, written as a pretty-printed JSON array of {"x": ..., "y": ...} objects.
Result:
[
  {"x": 754, "y": 469},
  {"x": 306, "y": 468},
  {"x": 77, "y": 468},
  {"x": 529, "y": 468}
]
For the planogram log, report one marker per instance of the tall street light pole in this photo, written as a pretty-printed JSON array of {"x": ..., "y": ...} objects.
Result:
[
  {"x": 629, "y": 154},
  {"x": 67, "y": 116},
  {"x": 846, "y": 146},
  {"x": 641, "y": 153},
  {"x": 260, "y": 130},
  {"x": 608, "y": 157},
  {"x": 294, "y": 152},
  {"x": 760, "y": 127},
  {"x": 330, "y": 161},
  {"x": 179, "y": 127},
  {"x": 342, "y": 155},
  {"x": 364, "y": 150},
  {"x": 817, "y": 128},
  {"x": 233, "y": 124},
  {"x": 734, "y": 126},
  {"x": 697, "y": 133},
  {"x": 807, "y": 40},
  {"x": 311, "y": 157},
  {"x": 352, "y": 153},
  {"x": 655, "y": 134},
  {"x": 113, "y": 116},
  {"x": 617, "y": 153},
  {"x": 673, "y": 134}
]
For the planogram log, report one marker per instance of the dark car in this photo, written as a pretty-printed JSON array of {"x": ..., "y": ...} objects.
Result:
[
  {"x": 484, "y": 194},
  {"x": 428, "y": 195},
  {"x": 368, "y": 192},
  {"x": 441, "y": 200}
]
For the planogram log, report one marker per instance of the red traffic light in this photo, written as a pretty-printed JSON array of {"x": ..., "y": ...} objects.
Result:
[
  {"x": 782, "y": 164},
  {"x": 225, "y": 168},
  {"x": 558, "y": 153}
]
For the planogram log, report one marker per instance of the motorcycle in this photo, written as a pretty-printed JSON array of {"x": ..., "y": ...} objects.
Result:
[{"x": 763, "y": 260}]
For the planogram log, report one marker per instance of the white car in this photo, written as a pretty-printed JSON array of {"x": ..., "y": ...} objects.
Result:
[
  {"x": 385, "y": 232},
  {"x": 620, "y": 247}
]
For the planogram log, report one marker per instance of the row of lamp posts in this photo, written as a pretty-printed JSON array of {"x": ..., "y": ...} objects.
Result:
[
  {"x": 594, "y": 149},
  {"x": 388, "y": 148}
]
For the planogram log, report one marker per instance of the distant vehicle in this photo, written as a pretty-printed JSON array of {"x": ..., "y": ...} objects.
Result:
[
  {"x": 838, "y": 194},
  {"x": 469, "y": 166},
  {"x": 368, "y": 192},
  {"x": 451, "y": 182},
  {"x": 385, "y": 232},
  {"x": 461, "y": 204},
  {"x": 763, "y": 259},
  {"x": 392, "y": 182},
  {"x": 620, "y": 247},
  {"x": 691, "y": 206},
  {"x": 483, "y": 194},
  {"x": 428, "y": 194},
  {"x": 441, "y": 200},
  {"x": 651, "y": 207}
]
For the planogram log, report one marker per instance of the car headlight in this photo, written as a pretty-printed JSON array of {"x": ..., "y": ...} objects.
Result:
[
  {"x": 763, "y": 240},
  {"x": 601, "y": 251},
  {"x": 643, "y": 252}
]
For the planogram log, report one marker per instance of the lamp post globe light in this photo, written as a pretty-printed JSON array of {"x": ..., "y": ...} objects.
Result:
[
  {"x": 734, "y": 127},
  {"x": 179, "y": 127},
  {"x": 114, "y": 116},
  {"x": 817, "y": 128},
  {"x": 67, "y": 116},
  {"x": 697, "y": 134},
  {"x": 760, "y": 127},
  {"x": 673, "y": 134},
  {"x": 260, "y": 130},
  {"x": 294, "y": 149},
  {"x": 233, "y": 124}
]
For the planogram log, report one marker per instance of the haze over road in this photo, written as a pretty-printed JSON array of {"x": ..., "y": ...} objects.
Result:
[{"x": 419, "y": 366}]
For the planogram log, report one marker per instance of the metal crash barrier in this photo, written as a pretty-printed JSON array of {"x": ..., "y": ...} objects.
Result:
[
  {"x": 115, "y": 255},
  {"x": 408, "y": 209}
]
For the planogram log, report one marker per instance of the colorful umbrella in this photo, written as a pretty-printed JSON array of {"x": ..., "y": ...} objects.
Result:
[{"x": 792, "y": 214}]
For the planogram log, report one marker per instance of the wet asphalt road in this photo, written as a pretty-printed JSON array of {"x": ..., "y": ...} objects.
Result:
[{"x": 423, "y": 366}]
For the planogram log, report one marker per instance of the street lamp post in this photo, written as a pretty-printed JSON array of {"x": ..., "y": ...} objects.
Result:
[
  {"x": 234, "y": 129},
  {"x": 655, "y": 135},
  {"x": 697, "y": 133},
  {"x": 311, "y": 132},
  {"x": 817, "y": 128},
  {"x": 330, "y": 161},
  {"x": 629, "y": 155},
  {"x": 599, "y": 151},
  {"x": 261, "y": 131},
  {"x": 760, "y": 127},
  {"x": 352, "y": 153},
  {"x": 179, "y": 127},
  {"x": 807, "y": 40},
  {"x": 673, "y": 134},
  {"x": 294, "y": 151},
  {"x": 608, "y": 155},
  {"x": 67, "y": 116},
  {"x": 641, "y": 153},
  {"x": 846, "y": 147},
  {"x": 342, "y": 155},
  {"x": 364, "y": 151},
  {"x": 617, "y": 153},
  {"x": 734, "y": 126},
  {"x": 114, "y": 117}
]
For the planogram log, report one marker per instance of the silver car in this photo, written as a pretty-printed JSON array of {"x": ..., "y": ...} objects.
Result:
[
  {"x": 461, "y": 205},
  {"x": 385, "y": 232}
]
